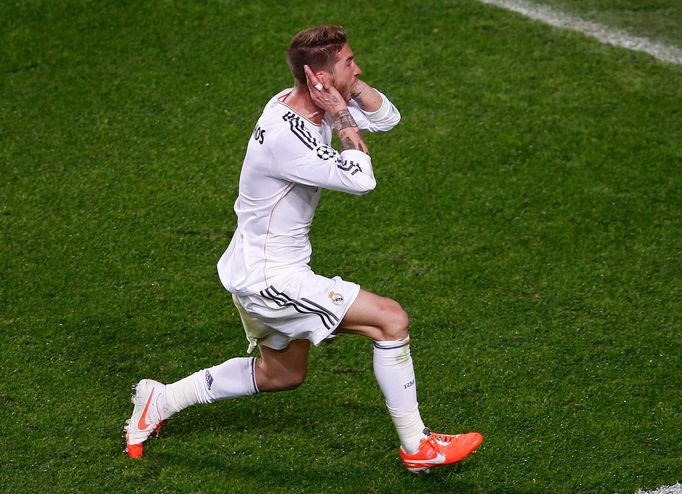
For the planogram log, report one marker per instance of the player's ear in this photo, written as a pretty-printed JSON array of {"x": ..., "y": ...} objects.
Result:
[{"x": 323, "y": 76}]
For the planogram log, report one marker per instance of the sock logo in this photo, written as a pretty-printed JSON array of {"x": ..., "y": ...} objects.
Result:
[
  {"x": 409, "y": 385},
  {"x": 209, "y": 379}
]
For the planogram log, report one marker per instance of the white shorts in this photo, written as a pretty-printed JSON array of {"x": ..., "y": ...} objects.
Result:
[{"x": 305, "y": 306}]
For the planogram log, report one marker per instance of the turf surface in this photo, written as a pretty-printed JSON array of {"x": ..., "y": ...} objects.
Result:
[{"x": 527, "y": 217}]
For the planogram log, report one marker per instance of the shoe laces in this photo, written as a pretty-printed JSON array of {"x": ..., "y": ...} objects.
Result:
[{"x": 440, "y": 439}]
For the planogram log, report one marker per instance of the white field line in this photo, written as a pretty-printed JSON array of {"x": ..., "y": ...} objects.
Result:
[
  {"x": 605, "y": 34},
  {"x": 668, "y": 489}
]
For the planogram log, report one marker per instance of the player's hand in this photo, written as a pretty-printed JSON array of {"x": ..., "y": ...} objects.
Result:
[{"x": 325, "y": 96}]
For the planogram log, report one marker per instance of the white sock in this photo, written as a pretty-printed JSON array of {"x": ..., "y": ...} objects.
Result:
[
  {"x": 410, "y": 428},
  {"x": 180, "y": 395},
  {"x": 395, "y": 374},
  {"x": 231, "y": 379}
]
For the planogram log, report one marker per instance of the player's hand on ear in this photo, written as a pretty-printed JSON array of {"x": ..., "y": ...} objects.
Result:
[{"x": 323, "y": 94}]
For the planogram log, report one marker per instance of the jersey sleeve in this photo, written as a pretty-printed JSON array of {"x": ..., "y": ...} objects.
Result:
[
  {"x": 302, "y": 158},
  {"x": 382, "y": 120}
]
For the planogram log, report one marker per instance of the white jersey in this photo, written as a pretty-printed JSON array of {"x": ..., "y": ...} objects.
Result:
[{"x": 288, "y": 161}]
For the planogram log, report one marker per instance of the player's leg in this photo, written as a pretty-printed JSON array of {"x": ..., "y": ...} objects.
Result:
[
  {"x": 155, "y": 402},
  {"x": 274, "y": 370},
  {"x": 379, "y": 318},
  {"x": 384, "y": 321},
  {"x": 280, "y": 370}
]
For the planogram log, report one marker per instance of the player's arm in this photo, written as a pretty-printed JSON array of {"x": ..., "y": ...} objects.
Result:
[
  {"x": 328, "y": 99},
  {"x": 372, "y": 110},
  {"x": 367, "y": 98},
  {"x": 348, "y": 131},
  {"x": 307, "y": 161}
]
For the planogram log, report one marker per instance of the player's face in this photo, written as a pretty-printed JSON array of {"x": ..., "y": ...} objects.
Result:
[{"x": 346, "y": 72}]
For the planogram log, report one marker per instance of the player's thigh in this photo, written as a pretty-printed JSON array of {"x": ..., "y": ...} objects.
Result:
[{"x": 380, "y": 318}]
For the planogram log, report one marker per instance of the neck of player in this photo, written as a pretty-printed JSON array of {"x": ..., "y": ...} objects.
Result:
[{"x": 300, "y": 101}]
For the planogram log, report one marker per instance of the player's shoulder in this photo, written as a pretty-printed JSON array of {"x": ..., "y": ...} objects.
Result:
[
  {"x": 287, "y": 127},
  {"x": 300, "y": 131}
]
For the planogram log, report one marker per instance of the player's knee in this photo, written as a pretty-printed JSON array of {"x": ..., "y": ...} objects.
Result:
[{"x": 396, "y": 322}]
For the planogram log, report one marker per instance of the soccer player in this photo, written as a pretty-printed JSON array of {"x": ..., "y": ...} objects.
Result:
[{"x": 285, "y": 306}]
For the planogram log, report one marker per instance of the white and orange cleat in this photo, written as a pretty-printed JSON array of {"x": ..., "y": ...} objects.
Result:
[
  {"x": 148, "y": 399},
  {"x": 440, "y": 449}
]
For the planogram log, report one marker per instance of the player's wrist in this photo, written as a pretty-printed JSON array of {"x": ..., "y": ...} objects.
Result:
[{"x": 336, "y": 110}]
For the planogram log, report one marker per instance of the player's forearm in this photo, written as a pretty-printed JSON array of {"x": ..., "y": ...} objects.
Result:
[
  {"x": 366, "y": 96},
  {"x": 348, "y": 132}
]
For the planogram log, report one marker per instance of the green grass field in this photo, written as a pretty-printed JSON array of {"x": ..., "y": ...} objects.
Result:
[{"x": 527, "y": 216}]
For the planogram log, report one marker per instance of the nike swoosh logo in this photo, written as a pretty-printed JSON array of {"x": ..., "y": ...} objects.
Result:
[
  {"x": 142, "y": 423},
  {"x": 440, "y": 458}
]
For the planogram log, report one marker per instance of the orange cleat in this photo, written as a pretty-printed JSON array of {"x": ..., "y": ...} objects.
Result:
[
  {"x": 148, "y": 398},
  {"x": 440, "y": 449}
]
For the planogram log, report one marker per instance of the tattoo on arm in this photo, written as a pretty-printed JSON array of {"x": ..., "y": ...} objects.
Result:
[
  {"x": 347, "y": 143},
  {"x": 366, "y": 96},
  {"x": 343, "y": 120},
  {"x": 348, "y": 132},
  {"x": 353, "y": 142}
]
